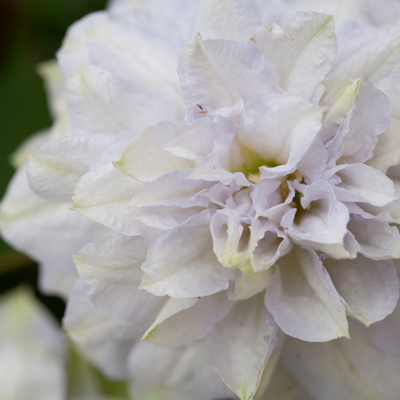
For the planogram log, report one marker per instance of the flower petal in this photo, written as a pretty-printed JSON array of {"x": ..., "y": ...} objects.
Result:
[
  {"x": 99, "y": 102},
  {"x": 31, "y": 349},
  {"x": 361, "y": 183},
  {"x": 182, "y": 264},
  {"x": 303, "y": 56},
  {"x": 62, "y": 233},
  {"x": 136, "y": 55},
  {"x": 183, "y": 321},
  {"x": 208, "y": 79},
  {"x": 370, "y": 288},
  {"x": 383, "y": 244},
  {"x": 103, "y": 195},
  {"x": 387, "y": 151},
  {"x": 55, "y": 168},
  {"x": 303, "y": 300},
  {"x": 111, "y": 274},
  {"x": 280, "y": 129},
  {"x": 146, "y": 158},
  {"x": 89, "y": 325},
  {"x": 284, "y": 386},
  {"x": 172, "y": 189},
  {"x": 321, "y": 223},
  {"x": 231, "y": 21},
  {"x": 174, "y": 373},
  {"x": 73, "y": 52},
  {"x": 242, "y": 345},
  {"x": 251, "y": 283},
  {"x": 370, "y": 118},
  {"x": 344, "y": 369},
  {"x": 371, "y": 54}
]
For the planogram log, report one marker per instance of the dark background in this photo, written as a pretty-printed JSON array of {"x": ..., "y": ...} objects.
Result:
[{"x": 31, "y": 31}]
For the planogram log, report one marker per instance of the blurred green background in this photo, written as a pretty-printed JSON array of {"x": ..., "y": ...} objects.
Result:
[{"x": 31, "y": 31}]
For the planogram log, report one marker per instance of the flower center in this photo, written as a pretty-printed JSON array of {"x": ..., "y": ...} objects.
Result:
[{"x": 250, "y": 162}]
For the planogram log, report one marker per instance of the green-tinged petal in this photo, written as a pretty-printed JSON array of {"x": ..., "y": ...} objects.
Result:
[
  {"x": 146, "y": 158},
  {"x": 251, "y": 283}
]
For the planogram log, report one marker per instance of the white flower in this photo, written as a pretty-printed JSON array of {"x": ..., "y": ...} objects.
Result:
[
  {"x": 256, "y": 193},
  {"x": 31, "y": 350}
]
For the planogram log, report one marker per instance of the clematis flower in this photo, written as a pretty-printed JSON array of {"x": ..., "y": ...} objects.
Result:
[
  {"x": 251, "y": 179},
  {"x": 31, "y": 350}
]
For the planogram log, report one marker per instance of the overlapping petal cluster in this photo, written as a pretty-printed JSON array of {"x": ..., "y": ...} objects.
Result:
[{"x": 240, "y": 182}]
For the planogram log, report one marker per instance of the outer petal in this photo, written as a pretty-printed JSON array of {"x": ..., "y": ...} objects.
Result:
[
  {"x": 303, "y": 57},
  {"x": 207, "y": 77},
  {"x": 99, "y": 102},
  {"x": 174, "y": 18},
  {"x": 137, "y": 55},
  {"x": 111, "y": 274},
  {"x": 372, "y": 53},
  {"x": 31, "y": 350},
  {"x": 54, "y": 83},
  {"x": 91, "y": 326},
  {"x": 386, "y": 334},
  {"x": 109, "y": 357},
  {"x": 303, "y": 300},
  {"x": 103, "y": 195},
  {"x": 73, "y": 52},
  {"x": 171, "y": 373},
  {"x": 363, "y": 12},
  {"x": 369, "y": 119},
  {"x": 47, "y": 232},
  {"x": 370, "y": 288},
  {"x": 344, "y": 369},
  {"x": 227, "y": 20},
  {"x": 20, "y": 155},
  {"x": 387, "y": 151},
  {"x": 182, "y": 321},
  {"x": 242, "y": 344},
  {"x": 284, "y": 386},
  {"x": 55, "y": 168},
  {"x": 361, "y": 183},
  {"x": 378, "y": 240},
  {"x": 182, "y": 264}
]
